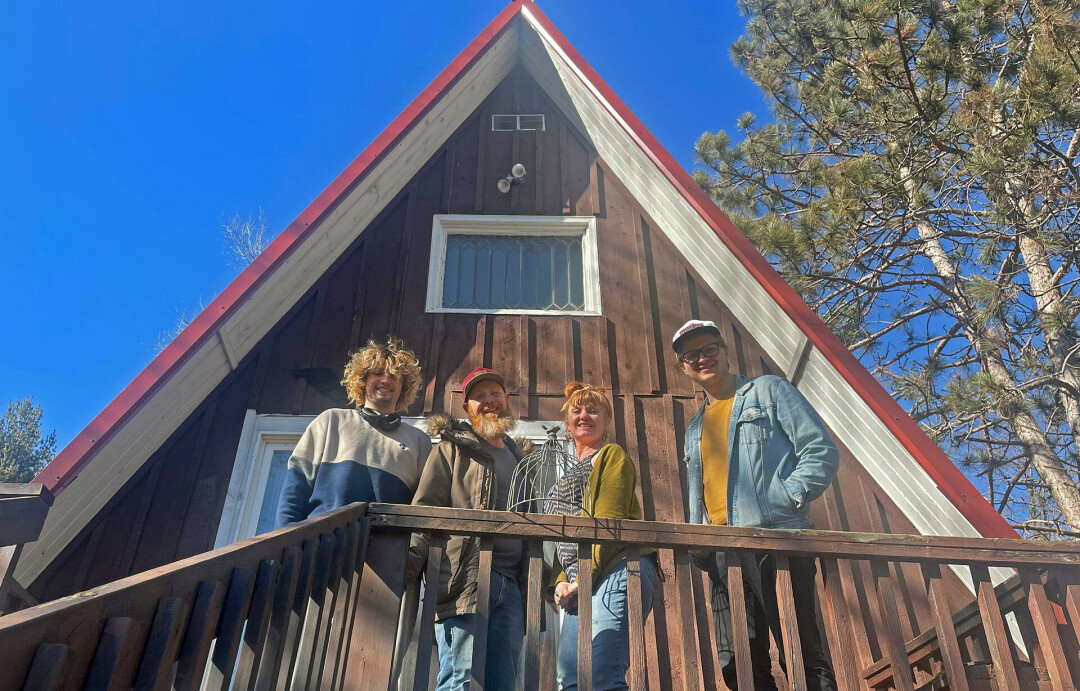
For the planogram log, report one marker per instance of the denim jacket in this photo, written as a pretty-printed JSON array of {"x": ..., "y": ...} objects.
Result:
[{"x": 780, "y": 458}]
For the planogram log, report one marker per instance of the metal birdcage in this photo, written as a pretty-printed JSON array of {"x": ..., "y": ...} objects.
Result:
[{"x": 533, "y": 486}]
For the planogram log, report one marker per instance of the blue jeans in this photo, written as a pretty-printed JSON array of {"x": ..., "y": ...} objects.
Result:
[
  {"x": 505, "y": 638},
  {"x": 610, "y": 630}
]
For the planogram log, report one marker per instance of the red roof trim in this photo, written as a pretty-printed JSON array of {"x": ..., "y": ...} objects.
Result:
[
  {"x": 66, "y": 465},
  {"x": 952, "y": 483}
]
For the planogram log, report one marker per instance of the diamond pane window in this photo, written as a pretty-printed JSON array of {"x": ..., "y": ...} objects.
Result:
[
  {"x": 534, "y": 272},
  {"x": 514, "y": 264}
]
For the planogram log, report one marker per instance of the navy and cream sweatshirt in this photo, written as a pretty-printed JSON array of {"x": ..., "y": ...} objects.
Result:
[{"x": 342, "y": 458}]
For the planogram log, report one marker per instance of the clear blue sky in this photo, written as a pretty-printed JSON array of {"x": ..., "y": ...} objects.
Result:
[{"x": 128, "y": 130}]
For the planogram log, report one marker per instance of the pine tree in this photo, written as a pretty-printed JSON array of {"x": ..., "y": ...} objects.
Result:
[
  {"x": 920, "y": 185},
  {"x": 23, "y": 449}
]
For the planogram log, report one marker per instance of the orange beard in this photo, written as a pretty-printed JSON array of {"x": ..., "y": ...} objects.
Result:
[{"x": 491, "y": 425}]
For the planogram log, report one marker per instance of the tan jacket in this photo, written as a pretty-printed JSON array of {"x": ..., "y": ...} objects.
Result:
[{"x": 459, "y": 474}]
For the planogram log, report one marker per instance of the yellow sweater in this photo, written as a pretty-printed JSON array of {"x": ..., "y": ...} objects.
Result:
[
  {"x": 714, "y": 458},
  {"x": 611, "y": 494}
]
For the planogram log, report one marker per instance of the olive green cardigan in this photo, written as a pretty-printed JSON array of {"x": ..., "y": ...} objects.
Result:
[{"x": 611, "y": 494}]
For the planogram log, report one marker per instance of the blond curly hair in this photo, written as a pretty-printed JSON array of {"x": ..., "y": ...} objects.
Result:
[{"x": 393, "y": 358}]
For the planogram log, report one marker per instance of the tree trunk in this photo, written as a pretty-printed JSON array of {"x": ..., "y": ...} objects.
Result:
[
  {"x": 1059, "y": 343},
  {"x": 1048, "y": 465}
]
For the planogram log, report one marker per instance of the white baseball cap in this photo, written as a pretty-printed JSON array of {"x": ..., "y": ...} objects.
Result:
[{"x": 694, "y": 326}]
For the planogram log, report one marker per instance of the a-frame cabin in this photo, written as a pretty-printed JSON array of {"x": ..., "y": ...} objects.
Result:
[{"x": 410, "y": 240}]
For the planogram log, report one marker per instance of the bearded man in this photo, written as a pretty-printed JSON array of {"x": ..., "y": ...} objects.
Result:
[{"x": 471, "y": 468}]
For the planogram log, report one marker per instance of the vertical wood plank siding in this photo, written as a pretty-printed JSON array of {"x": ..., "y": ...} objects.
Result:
[{"x": 171, "y": 507}]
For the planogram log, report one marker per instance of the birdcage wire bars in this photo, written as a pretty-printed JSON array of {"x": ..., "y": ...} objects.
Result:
[{"x": 533, "y": 483}]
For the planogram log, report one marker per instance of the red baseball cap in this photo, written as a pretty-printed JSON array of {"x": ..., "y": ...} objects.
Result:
[{"x": 478, "y": 375}]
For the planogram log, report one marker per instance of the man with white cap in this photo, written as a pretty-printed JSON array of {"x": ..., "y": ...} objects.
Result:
[{"x": 757, "y": 454}]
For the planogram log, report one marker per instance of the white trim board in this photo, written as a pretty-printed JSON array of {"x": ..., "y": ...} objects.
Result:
[
  {"x": 629, "y": 159},
  {"x": 151, "y": 425},
  {"x": 847, "y": 414},
  {"x": 573, "y": 226}
]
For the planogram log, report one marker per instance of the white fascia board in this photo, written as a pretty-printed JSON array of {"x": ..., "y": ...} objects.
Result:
[
  {"x": 846, "y": 413},
  {"x": 129, "y": 448}
]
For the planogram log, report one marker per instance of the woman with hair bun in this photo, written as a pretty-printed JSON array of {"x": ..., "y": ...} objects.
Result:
[{"x": 601, "y": 484}]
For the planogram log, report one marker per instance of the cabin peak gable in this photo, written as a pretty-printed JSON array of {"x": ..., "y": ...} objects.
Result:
[{"x": 665, "y": 216}]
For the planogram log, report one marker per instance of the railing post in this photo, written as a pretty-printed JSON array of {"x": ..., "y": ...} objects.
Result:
[
  {"x": 584, "y": 617},
  {"x": 638, "y": 680},
  {"x": 994, "y": 626},
  {"x": 309, "y": 631},
  {"x": 343, "y": 607},
  {"x": 436, "y": 549},
  {"x": 894, "y": 643},
  {"x": 687, "y": 621},
  {"x": 706, "y": 629},
  {"x": 235, "y": 610},
  {"x": 371, "y": 650},
  {"x": 533, "y": 615},
  {"x": 52, "y": 662},
  {"x": 202, "y": 626},
  {"x": 330, "y": 595},
  {"x": 270, "y": 664},
  {"x": 946, "y": 632},
  {"x": 838, "y": 623},
  {"x": 116, "y": 655},
  {"x": 363, "y": 536},
  {"x": 258, "y": 623},
  {"x": 297, "y": 615},
  {"x": 740, "y": 633},
  {"x": 1042, "y": 616},
  {"x": 789, "y": 625},
  {"x": 1072, "y": 604},
  {"x": 483, "y": 616},
  {"x": 162, "y": 643}
]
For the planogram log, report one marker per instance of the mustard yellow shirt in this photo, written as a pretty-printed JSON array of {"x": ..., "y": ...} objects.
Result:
[{"x": 714, "y": 458}]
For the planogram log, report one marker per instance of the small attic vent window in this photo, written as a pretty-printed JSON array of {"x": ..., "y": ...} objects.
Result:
[{"x": 517, "y": 123}]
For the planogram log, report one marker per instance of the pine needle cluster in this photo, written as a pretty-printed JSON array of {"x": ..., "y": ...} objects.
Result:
[{"x": 919, "y": 185}]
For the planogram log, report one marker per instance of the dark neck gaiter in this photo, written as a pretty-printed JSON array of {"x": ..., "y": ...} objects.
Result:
[{"x": 387, "y": 423}]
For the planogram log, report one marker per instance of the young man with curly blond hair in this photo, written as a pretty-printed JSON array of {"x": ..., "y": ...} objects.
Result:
[{"x": 363, "y": 454}]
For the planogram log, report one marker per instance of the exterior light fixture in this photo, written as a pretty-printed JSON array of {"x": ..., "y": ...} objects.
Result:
[{"x": 517, "y": 174}]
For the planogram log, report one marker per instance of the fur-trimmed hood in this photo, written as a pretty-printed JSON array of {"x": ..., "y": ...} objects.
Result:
[
  {"x": 461, "y": 433},
  {"x": 441, "y": 423}
]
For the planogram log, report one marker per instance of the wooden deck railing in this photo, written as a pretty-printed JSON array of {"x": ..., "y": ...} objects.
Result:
[
  {"x": 940, "y": 658},
  {"x": 264, "y": 613},
  {"x": 315, "y": 606}
]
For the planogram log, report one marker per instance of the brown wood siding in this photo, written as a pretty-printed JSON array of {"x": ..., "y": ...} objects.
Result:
[{"x": 170, "y": 509}]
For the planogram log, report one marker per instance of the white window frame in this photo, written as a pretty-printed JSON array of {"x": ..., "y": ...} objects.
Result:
[
  {"x": 262, "y": 434},
  {"x": 243, "y": 500},
  {"x": 569, "y": 226},
  {"x": 517, "y": 122}
]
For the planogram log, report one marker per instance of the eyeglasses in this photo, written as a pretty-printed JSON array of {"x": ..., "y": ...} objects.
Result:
[{"x": 692, "y": 356}]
